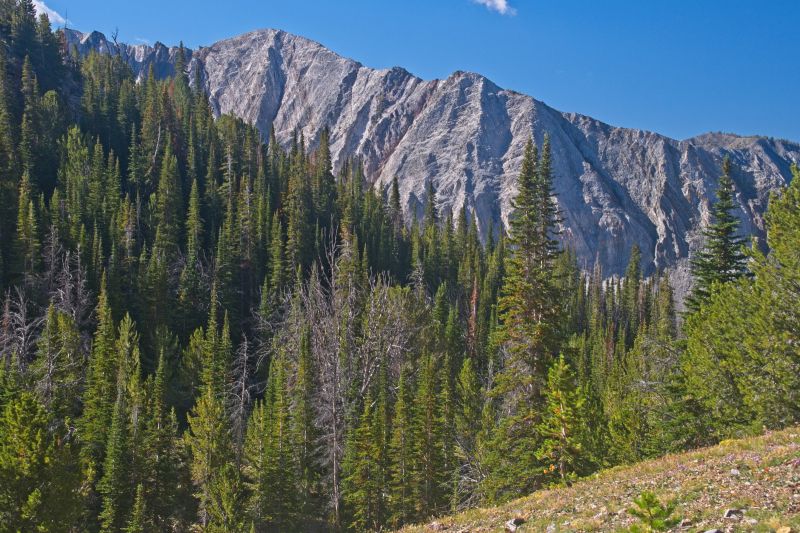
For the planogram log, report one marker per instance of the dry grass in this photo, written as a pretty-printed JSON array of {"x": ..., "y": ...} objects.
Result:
[{"x": 759, "y": 475}]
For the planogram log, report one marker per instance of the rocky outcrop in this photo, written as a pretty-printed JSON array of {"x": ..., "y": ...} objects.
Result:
[{"x": 615, "y": 186}]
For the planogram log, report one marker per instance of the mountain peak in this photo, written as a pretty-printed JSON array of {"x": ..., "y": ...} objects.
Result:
[{"x": 615, "y": 186}]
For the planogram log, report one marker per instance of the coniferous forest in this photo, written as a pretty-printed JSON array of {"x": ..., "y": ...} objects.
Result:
[{"x": 202, "y": 330}]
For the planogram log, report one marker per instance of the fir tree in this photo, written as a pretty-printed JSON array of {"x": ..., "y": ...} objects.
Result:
[
  {"x": 99, "y": 398},
  {"x": 114, "y": 485},
  {"x": 401, "y": 498},
  {"x": 360, "y": 470},
  {"x": 562, "y": 425},
  {"x": 722, "y": 259},
  {"x": 137, "y": 522},
  {"x": 530, "y": 313},
  {"x": 39, "y": 485}
]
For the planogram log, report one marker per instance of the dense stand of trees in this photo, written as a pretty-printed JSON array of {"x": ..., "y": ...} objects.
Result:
[{"x": 202, "y": 330}]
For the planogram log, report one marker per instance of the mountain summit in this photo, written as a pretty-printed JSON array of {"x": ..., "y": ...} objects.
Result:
[{"x": 615, "y": 186}]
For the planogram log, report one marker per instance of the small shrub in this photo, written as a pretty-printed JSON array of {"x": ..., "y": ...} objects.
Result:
[{"x": 654, "y": 515}]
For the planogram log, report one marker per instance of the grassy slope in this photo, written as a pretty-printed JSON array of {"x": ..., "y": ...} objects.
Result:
[{"x": 704, "y": 483}]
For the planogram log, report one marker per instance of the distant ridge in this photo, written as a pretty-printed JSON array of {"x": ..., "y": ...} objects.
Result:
[{"x": 615, "y": 186}]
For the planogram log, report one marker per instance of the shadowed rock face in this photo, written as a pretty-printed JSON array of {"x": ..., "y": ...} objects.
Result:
[{"x": 615, "y": 186}]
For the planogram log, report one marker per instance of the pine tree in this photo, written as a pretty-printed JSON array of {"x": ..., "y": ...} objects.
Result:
[
  {"x": 169, "y": 210},
  {"x": 305, "y": 433},
  {"x": 429, "y": 473},
  {"x": 324, "y": 182},
  {"x": 269, "y": 463},
  {"x": 401, "y": 498},
  {"x": 28, "y": 244},
  {"x": 529, "y": 336},
  {"x": 114, "y": 485},
  {"x": 360, "y": 473},
  {"x": 225, "y": 513},
  {"x": 56, "y": 370},
  {"x": 39, "y": 485},
  {"x": 208, "y": 440},
  {"x": 722, "y": 259},
  {"x": 209, "y": 434},
  {"x": 467, "y": 416},
  {"x": 100, "y": 395},
  {"x": 530, "y": 303},
  {"x": 190, "y": 290},
  {"x": 562, "y": 426},
  {"x": 138, "y": 521},
  {"x": 161, "y": 458}
]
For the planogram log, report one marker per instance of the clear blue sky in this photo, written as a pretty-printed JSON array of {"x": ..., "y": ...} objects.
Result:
[{"x": 677, "y": 67}]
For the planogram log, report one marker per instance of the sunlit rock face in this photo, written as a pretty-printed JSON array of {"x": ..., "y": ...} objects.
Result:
[{"x": 615, "y": 186}]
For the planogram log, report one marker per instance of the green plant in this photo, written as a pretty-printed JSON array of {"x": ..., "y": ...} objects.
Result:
[{"x": 654, "y": 515}]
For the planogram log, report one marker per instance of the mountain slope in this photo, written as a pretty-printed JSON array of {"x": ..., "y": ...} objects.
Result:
[
  {"x": 758, "y": 476},
  {"x": 615, "y": 186}
]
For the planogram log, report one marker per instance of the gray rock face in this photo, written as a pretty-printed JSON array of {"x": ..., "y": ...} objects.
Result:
[{"x": 615, "y": 186}]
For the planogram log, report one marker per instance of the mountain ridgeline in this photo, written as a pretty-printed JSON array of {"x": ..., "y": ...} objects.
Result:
[
  {"x": 207, "y": 327},
  {"x": 616, "y": 187}
]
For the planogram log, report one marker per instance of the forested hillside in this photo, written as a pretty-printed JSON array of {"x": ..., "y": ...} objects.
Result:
[{"x": 203, "y": 331}]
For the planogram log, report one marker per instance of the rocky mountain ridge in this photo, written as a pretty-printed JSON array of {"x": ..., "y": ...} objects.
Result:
[{"x": 615, "y": 186}]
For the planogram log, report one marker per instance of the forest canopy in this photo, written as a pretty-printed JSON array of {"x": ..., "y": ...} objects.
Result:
[{"x": 202, "y": 329}]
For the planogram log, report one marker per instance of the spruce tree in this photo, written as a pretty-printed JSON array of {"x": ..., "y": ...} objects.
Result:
[
  {"x": 100, "y": 395},
  {"x": 39, "y": 484},
  {"x": 429, "y": 472},
  {"x": 360, "y": 473},
  {"x": 401, "y": 499},
  {"x": 562, "y": 426},
  {"x": 114, "y": 485},
  {"x": 721, "y": 260},
  {"x": 529, "y": 334},
  {"x": 138, "y": 520}
]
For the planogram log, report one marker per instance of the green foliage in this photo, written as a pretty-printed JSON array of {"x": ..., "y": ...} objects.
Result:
[
  {"x": 529, "y": 333},
  {"x": 39, "y": 483},
  {"x": 654, "y": 515},
  {"x": 722, "y": 259},
  {"x": 741, "y": 353},
  {"x": 387, "y": 367},
  {"x": 562, "y": 427}
]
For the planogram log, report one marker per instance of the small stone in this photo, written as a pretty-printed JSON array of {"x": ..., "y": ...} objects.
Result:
[
  {"x": 713, "y": 531},
  {"x": 734, "y": 471},
  {"x": 514, "y": 523},
  {"x": 551, "y": 528},
  {"x": 735, "y": 514},
  {"x": 784, "y": 529},
  {"x": 685, "y": 523},
  {"x": 436, "y": 526}
]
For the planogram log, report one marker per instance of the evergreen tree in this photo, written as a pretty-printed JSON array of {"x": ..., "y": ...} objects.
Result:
[
  {"x": 168, "y": 211},
  {"x": 361, "y": 483},
  {"x": 269, "y": 462},
  {"x": 303, "y": 420},
  {"x": 530, "y": 314},
  {"x": 137, "y": 522},
  {"x": 562, "y": 426},
  {"x": 161, "y": 458},
  {"x": 99, "y": 398},
  {"x": 722, "y": 259},
  {"x": 401, "y": 498},
  {"x": 429, "y": 472},
  {"x": 39, "y": 485},
  {"x": 114, "y": 485}
]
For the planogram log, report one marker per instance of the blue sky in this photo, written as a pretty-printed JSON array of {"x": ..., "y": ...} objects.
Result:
[{"x": 680, "y": 67}]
